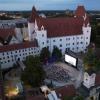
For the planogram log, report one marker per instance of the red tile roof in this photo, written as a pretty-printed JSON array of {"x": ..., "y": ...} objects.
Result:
[
  {"x": 5, "y": 32},
  {"x": 57, "y": 27},
  {"x": 80, "y": 11},
  {"x": 39, "y": 97},
  {"x": 97, "y": 80},
  {"x": 13, "y": 47},
  {"x": 66, "y": 91}
]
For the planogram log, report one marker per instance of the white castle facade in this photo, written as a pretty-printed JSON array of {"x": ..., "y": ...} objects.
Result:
[{"x": 66, "y": 33}]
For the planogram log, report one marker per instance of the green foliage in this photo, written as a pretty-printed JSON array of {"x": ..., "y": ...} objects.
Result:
[
  {"x": 93, "y": 32},
  {"x": 79, "y": 98},
  {"x": 44, "y": 54},
  {"x": 33, "y": 74},
  {"x": 91, "y": 61},
  {"x": 97, "y": 64},
  {"x": 57, "y": 53},
  {"x": 68, "y": 98}
]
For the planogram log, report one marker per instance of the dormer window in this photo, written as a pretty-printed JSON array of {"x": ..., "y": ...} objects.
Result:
[{"x": 42, "y": 28}]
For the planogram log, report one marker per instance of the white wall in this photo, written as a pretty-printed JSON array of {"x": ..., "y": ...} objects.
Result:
[
  {"x": 19, "y": 34},
  {"x": 87, "y": 35},
  {"x": 41, "y": 36},
  {"x": 89, "y": 80},
  {"x": 30, "y": 29},
  {"x": 10, "y": 57},
  {"x": 75, "y": 43}
]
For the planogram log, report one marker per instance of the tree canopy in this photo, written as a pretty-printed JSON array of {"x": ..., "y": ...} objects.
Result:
[
  {"x": 91, "y": 61},
  {"x": 44, "y": 54},
  {"x": 33, "y": 74},
  {"x": 57, "y": 53}
]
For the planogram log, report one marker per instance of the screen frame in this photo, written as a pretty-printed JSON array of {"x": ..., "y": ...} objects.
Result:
[{"x": 69, "y": 62}]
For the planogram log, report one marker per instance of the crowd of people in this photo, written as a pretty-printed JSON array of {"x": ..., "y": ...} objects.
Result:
[{"x": 57, "y": 73}]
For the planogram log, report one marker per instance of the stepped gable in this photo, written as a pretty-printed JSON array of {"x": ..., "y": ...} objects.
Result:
[{"x": 80, "y": 12}]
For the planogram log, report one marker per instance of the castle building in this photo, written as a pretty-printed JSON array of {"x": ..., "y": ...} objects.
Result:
[
  {"x": 10, "y": 54},
  {"x": 29, "y": 38},
  {"x": 66, "y": 33}
]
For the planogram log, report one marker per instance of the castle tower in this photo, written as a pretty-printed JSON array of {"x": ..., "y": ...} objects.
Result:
[{"x": 31, "y": 23}]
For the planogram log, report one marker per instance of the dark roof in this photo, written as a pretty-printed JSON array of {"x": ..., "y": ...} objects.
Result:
[
  {"x": 5, "y": 32},
  {"x": 97, "y": 80},
  {"x": 90, "y": 71},
  {"x": 23, "y": 45},
  {"x": 82, "y": 90},
  {"x": 21, "y": 25},
  {"x": 38, "y": 97},
  {"x": 66, "y": 91}
]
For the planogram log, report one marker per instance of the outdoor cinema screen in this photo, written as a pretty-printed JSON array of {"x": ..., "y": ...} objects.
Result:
[{"x": 71, "y": 60}]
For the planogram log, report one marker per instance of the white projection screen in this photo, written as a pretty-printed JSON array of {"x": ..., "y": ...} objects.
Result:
[{"x": 71, "y": 60}]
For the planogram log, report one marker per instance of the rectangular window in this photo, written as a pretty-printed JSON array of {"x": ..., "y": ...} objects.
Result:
[
  {"x": 8, "y": 60},
  {"x": 60, "y": 39},
  {"x": 53, "y": 40},
  {"x": 60, "y": 45},
  {"x": 42, "y": 35},
  {"x": 47, "y": 41},
  {"x": 77, "y": 37},
  {"x": 81, "y": 42},
  {"x": 77, "y": 42},
  {"x": 43, "y": 43}
]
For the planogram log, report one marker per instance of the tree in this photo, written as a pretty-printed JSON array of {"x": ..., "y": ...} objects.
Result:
[
  {"x": 57, "y": 53},
  {"x": 97, "y": 65},
  {"x": 79, "y": 98},
  {"x": 33, "y": 74},
  {"x": 68, "y": 98},
  {"x": 94, "y": 33},
  {"x": 89, "y": 59},
  {"x": 44, "y": 54}
]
